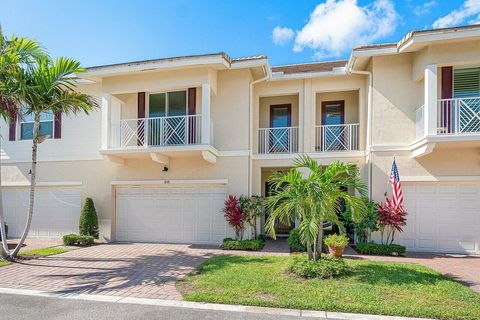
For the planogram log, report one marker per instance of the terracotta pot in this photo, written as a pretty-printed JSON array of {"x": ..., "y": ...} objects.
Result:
[{"x": 336, "y": 252}]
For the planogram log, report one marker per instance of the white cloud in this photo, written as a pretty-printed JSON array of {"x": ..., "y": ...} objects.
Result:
[
  {"x": 424, "y": 8},
  {"x": 469, "y": 12},
  {"x": 338, "y": 25},
  {"x": 282, "y": 35}
]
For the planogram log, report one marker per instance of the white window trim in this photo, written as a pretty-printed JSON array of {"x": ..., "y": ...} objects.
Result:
[
  {"x": 19, "y": 128},
  {"x": 147, "y": 102}
]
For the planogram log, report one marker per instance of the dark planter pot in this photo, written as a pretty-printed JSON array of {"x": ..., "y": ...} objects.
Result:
[{"x": 6, "y": 232}]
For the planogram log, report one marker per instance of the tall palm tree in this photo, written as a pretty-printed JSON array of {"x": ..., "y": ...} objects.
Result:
[
  {"x": 49, "y": 86},
  {"x": 313, "y": 194},
  {"x": 15, "y": 53}
]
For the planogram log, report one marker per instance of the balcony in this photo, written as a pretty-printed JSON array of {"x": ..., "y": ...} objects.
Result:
[
  {"x": 459, "y": 116},
  {"x": 161, "y": 138},
  {"x": 157, "y": 132},
  {"x": 278, "y": 140},
  {"x": 333, "y": 138}
]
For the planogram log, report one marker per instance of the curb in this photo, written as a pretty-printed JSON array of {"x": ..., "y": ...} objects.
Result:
[{"x": 206, "y": 306}]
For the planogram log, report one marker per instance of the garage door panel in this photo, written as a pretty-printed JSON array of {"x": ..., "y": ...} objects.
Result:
[
  {"x": 56, "y": 211},
  {"x": 174, "y": 214},
  {"x": 443, "y": 217}
]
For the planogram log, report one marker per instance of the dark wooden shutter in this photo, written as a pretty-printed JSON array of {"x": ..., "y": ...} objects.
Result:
[
  {"x": 12, "y": 132},
  {"x": 446, "y": 117},
  {"x": 141, "y": 115},
  {"x": 57, "y": 130},
  {"x": 141, "y": 105},
  {"x": 193, "y": 137},
  {"x": 447, "y": 82}
]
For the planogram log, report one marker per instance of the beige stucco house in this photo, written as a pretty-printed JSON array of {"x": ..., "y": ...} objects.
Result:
[{"x": 174, "y": 136}]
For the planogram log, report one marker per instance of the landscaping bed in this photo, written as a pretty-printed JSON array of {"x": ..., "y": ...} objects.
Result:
[
  {"x": 371, "y": 287},
  {"x": 249, "y": 245}
]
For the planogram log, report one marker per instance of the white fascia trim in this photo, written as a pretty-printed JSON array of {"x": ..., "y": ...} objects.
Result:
[
  {"x": 278, "y": 76},
  {"x": 234, "y": 153},
  {"x": 42, "y": 184},
  {"x": 434, "y": 36},
  {"x": 133, "y": 150},
  {"x": 374, "y": 52},
  {"x": 168, "y": 182},
  {"x": 314, "y": 155},
  {"x": 154, "y": 65},
  {"x": 440, "y": 178},
  {"x": 249, "y": 64},
  {"x": 56, "y": 159}
]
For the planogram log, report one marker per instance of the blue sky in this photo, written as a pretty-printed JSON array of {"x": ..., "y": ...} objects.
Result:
[{"x": 103, "y": 32}]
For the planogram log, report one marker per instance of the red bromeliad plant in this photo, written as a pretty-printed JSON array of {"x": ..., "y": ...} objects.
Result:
[
  {"x": 390, "y": 219},
  {"x": 234, "y": 215}
]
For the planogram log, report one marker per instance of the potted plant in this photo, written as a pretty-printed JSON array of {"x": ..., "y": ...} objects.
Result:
[{"x": 336, "y": 244}]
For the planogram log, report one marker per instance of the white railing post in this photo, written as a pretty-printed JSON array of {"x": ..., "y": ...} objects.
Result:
[
  {"x": 106, "y": 119},
  {"x": 431, "y": 101},
  {"x": 205, "y": 113}
]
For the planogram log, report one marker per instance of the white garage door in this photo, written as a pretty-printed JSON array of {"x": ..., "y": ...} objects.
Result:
[
  {"x": 171, "y": 214},
  {"x": 442, "y": 217},
  {"x": 55, "y": 214}
]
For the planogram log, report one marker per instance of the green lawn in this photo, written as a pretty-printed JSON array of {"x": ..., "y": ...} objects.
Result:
[
  {"x": 4, "y": 263},
  {"x": 372, "y": 287},
  {"x": 45, "y": 252}
]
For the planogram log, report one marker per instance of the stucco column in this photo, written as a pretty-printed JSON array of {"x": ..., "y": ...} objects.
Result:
[
  {"x": 206, "y": 113},
  {"x": 301, "y": 119},
  {"x": 106, "y": 119},
  {"x": 308, "y": 125},
  {"x": 431, "y": 99}
]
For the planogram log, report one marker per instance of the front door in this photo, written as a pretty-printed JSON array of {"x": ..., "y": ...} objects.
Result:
[
  {"x": 333, "y": 117},
  {"x": 280, "y": 123},
  {"x": 280, "y": 228}
]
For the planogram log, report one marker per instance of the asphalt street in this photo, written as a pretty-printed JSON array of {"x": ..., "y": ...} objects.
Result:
[{"x": 19, "y": 307}]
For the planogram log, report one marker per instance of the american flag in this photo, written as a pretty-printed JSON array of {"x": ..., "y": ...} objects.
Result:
[{"x": 397, "y": 197}]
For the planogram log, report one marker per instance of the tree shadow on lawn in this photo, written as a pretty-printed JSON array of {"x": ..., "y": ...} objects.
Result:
[
  {"x": 395, "y": 274},
  {"x": 97, "y": 275}
]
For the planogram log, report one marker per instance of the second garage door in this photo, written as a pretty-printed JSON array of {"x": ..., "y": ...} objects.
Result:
[
  {"x": 442, "y": 217},
  {"x": 171, "y": 214}
]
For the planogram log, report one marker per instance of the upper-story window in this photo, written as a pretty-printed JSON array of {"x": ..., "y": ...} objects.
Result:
[
  {"x": 167, "y": 104},
  {"x": 46, "y": 125},
  {"x": 466, "y": 82}
]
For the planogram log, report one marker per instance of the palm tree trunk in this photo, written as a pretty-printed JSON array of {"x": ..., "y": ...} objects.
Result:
[
  {"x": 309, "y": 252},
  {"x": 318, "y": 253},
  {"x": 33, "y": 181},
  {"x": 4, "y": 250}
]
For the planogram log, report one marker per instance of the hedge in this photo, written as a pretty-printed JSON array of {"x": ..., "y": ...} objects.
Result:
[
  {"x": 77, "y": 240},
  {"x": 380, "y": 249},
  {"x": 250, "y": 245}
]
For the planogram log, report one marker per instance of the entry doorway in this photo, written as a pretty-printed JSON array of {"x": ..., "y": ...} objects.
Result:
[{"x": 281, "y": 229}]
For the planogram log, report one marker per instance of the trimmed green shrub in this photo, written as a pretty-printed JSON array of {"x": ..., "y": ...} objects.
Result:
[
  {"x": 250, "y": 245},
  {"x": 77, "y": 240},
  {"x": 294, "y": 241},
  {"x": 336, "y": 241},
  {"x": 88, "y": 225},
  {"x": 323, "y": 268},
  {"x": 380, "y": 249},
  {"x": 262, "y": 237}
]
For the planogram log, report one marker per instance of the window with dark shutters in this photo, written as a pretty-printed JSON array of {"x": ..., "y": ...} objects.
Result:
[{"x": 466, "y": 82}]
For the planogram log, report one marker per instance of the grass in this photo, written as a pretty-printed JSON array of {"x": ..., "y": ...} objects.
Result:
[
  {"x": 385, "y": 288},
  {"x": 45, "y": 252},
  {"x": 4, "y": 263}
]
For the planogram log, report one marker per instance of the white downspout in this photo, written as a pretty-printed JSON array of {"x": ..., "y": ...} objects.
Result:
[
  {"x": 369, "y": 127},
  {"x": 250, "y": 131}
]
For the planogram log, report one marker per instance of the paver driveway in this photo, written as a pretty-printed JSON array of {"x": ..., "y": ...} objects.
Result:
[{"x": 130, "y": 269}]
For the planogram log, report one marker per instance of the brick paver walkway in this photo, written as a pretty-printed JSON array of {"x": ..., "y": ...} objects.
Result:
[
  {"x": 144, "y": 270},
  {"x": 463, "y": 268}
]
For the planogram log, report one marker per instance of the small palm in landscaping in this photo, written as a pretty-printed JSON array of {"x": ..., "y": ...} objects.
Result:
[
  {"x": 313, "y": 198},
  {"x": 88, "y": 225}
]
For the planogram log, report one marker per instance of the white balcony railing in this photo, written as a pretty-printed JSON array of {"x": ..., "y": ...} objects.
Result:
[
  {"x": 458, "y": 116},
  {"x": 343, "y": 137},
  {"x": 157, "y": 132},
  {"x": 278, "y": 140}
]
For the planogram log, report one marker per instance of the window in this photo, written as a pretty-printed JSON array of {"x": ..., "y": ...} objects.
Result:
[
  {"x": 466, "y": 82},
  {"x": 167, "y": 104},
  {"x": 333, "y": 112},
  {"x": 46, "y": 125},
  {"x": 280, "y": 116}
]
